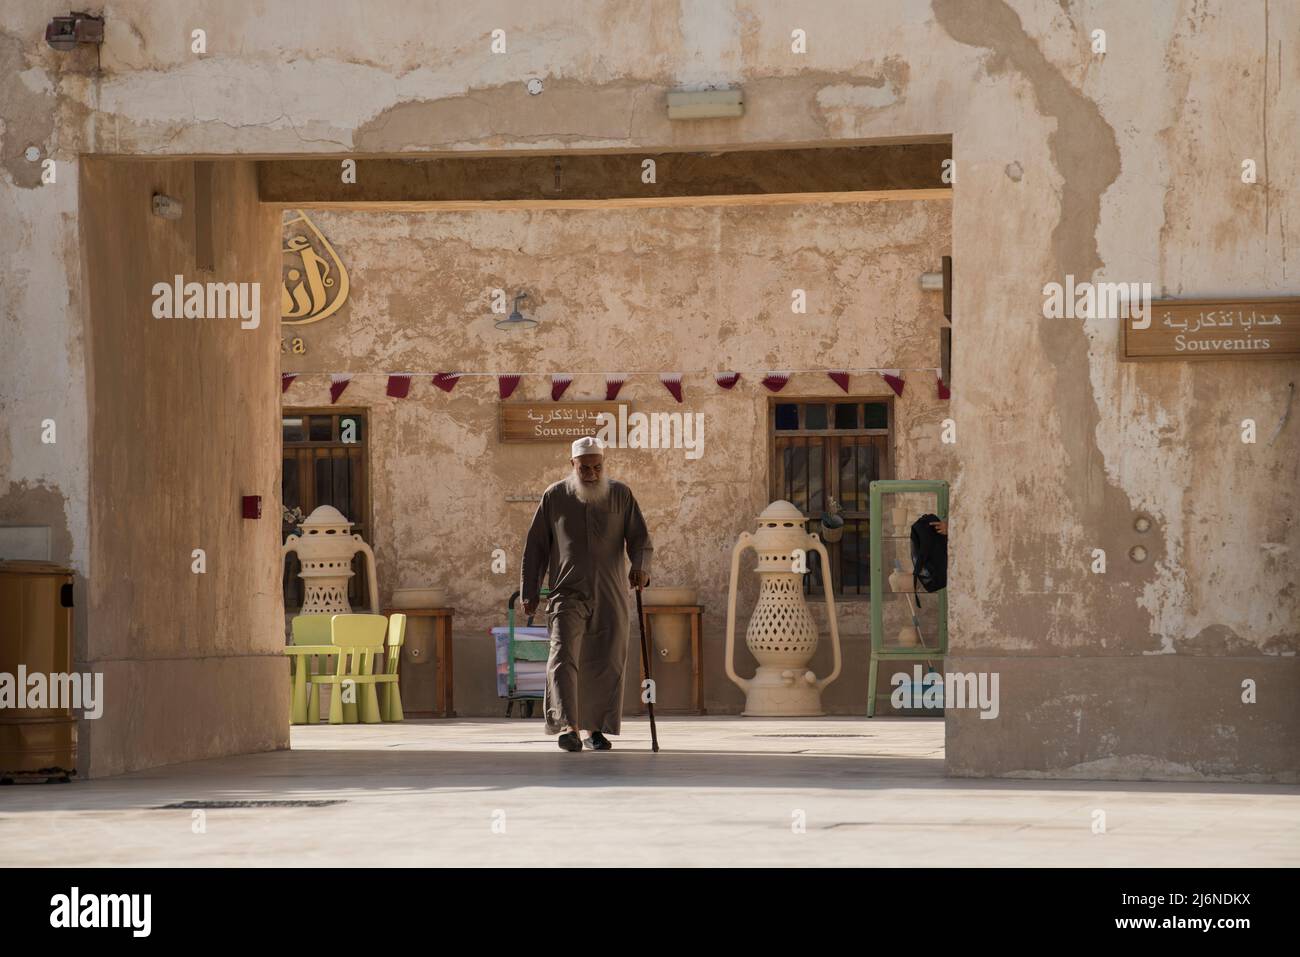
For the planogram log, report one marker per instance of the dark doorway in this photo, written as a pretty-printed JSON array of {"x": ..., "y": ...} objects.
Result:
[{"x": 326, "y": 462}]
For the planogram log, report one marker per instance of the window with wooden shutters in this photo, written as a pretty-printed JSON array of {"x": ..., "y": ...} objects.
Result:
[
  {"x": 325, "y": 463},
  {"x": 833, "y": 448}
]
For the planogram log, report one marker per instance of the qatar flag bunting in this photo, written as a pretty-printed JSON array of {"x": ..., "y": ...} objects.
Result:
[
  {"x": 446, "y": 381},
  {"x": 673, "y": 383},
  {"x": 726, "y": 379},
  {"x": 558, "y": 384},
  {"x": 775, "y": 381},
  {"x": 894, "y": 378},
  {"x": 612, "y": 384},
  {"x": 506, "y": 385},
  {"x": 338, "y": 382},
  {"x": 944, "y": 392},
  {"x": 841, "y": 379},
  {"x": 286, "y": 380},
  {"x": 399, "y": 385}
]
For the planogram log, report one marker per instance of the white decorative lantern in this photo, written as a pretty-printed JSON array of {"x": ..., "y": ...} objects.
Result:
[
  {"x": 325, "y": 549},
  {"x": 782, "y": 634}
]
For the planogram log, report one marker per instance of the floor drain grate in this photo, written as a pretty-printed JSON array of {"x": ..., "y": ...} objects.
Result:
[
  {"x": 812, "y": 735},
  {"x": 222, "y": 805}
]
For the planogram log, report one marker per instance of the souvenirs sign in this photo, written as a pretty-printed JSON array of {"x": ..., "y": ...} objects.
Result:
[
  {"x": 314, "y": 282},
  {"x": 552, "y": 421},
  {"x": 1214, "y": 329}
]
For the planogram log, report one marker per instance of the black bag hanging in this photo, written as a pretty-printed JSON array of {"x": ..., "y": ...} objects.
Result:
[{"x": 929, "y": 556}]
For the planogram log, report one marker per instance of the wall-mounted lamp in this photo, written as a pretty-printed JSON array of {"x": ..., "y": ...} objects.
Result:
[
  {"x": 516, "y": 319},
  {"x": 705, "y": 104},
  {"x": 64, "y": 33}
]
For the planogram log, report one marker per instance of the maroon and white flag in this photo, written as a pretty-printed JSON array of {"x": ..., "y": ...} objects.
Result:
[
  {"x": 894, "y": 379},
  {"x": 841, "y": 379},
  {"x": 286, "y": 380},
  {"x": 726, "y": 379},
  {"x": 558, "y": 384},
  {"x": 613, "y": 382},
  {"x": 506, "y": 384},
  {"x": 673, "y": 383},
  {"x": 399, "y": 385},
  {"x": 944, "y": 392},
  {"x": 446, "y": 381},
  {"x": 775, "y": 381},
  {"x": 338, "y": 382}
]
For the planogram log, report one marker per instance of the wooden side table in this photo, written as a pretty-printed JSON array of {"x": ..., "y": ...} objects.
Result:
[
  {"x": 442, "y": 620},
  {"x": 695, "y": 613}
]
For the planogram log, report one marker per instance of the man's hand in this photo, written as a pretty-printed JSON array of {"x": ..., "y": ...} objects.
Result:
[
  {"x": 637, "y": 578},
  {"x": 530, "y": 607},
  {"x": 941, "y": 527}
]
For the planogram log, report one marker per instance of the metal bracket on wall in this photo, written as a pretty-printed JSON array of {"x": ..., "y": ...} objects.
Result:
[
  {"x": 945, "y": 334},
  {"x": 947, "y": 288},
  {"x": 942, "y": 282}
]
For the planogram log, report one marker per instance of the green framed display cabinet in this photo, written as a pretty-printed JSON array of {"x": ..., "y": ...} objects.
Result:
[{"x": 897, "y": 531}]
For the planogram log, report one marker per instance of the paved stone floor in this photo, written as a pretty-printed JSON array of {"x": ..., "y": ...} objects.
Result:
[{"x": 722, "y": 791}]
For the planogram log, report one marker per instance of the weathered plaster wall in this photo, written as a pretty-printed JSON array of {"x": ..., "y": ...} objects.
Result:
[
  {"x": 1219, "y": 585},
  {"x": 190, "y": 669},
  {"x": 652, "y": 290},
  {"x": 1122, "y": 166},
  {"x": 42, "y": 360}
]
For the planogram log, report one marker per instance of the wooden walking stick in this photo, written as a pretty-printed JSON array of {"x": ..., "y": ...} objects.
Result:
[{"x": 645, "y": 666}]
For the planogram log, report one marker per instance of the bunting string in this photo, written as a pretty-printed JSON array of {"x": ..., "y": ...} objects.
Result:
[
  {"x": 894, "y": 371},
  {"x": 399, "y": 383}
]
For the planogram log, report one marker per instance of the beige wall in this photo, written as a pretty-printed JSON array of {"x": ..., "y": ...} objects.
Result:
[
  {"x": 42, "y": 343},
  {"x": 697, "y": 290},
  {"x": 178, "y": 405},
  {"x": 1124, "y": 167}
]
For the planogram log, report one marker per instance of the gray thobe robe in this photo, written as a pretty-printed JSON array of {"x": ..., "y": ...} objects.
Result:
[{"x": 580, "y": 548}]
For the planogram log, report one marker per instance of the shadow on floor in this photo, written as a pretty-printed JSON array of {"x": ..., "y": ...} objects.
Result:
[{"x": 316, "y": 774}]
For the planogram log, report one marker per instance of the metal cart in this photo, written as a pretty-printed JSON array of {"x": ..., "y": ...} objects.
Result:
[{"x": 533, "y": 647}]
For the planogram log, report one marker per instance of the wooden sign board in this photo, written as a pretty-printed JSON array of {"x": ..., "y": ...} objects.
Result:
[
  {"x": 552, "y": 421},
  {"x": 1190, "y": 329}
]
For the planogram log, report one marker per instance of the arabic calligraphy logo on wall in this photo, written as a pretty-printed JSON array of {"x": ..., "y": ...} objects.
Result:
[{"x": 314, "y": 282}]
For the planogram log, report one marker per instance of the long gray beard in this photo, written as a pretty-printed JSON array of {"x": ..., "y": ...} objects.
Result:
[{"x": 595, "y": 494}]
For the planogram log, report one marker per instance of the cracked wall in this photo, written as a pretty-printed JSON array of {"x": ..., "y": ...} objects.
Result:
[{"x": 1122, "y": 166}]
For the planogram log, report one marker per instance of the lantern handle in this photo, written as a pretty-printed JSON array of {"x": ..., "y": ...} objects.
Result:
[
  {"x": 361, "y": 546},
  {"x": 820, "y": 548},
  {"x": 742, "y": 543}
]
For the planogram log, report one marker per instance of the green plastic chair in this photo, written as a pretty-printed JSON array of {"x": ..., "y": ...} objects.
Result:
[
  {"x": 359, "y": 639},
  {"x": 390, "y": 692},
  {"x": 311, "y": 630}
]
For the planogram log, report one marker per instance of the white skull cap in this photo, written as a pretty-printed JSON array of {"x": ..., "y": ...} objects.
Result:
[{"x": 587, "y": 445}]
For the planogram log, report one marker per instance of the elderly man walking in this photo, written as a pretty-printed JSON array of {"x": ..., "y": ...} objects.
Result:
[{"x": 583, "y": 526}]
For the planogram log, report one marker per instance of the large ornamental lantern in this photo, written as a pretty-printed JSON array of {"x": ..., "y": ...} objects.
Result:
[
  {"x": 325, "y": 548},
  {"x": 782, "y": 634}
]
